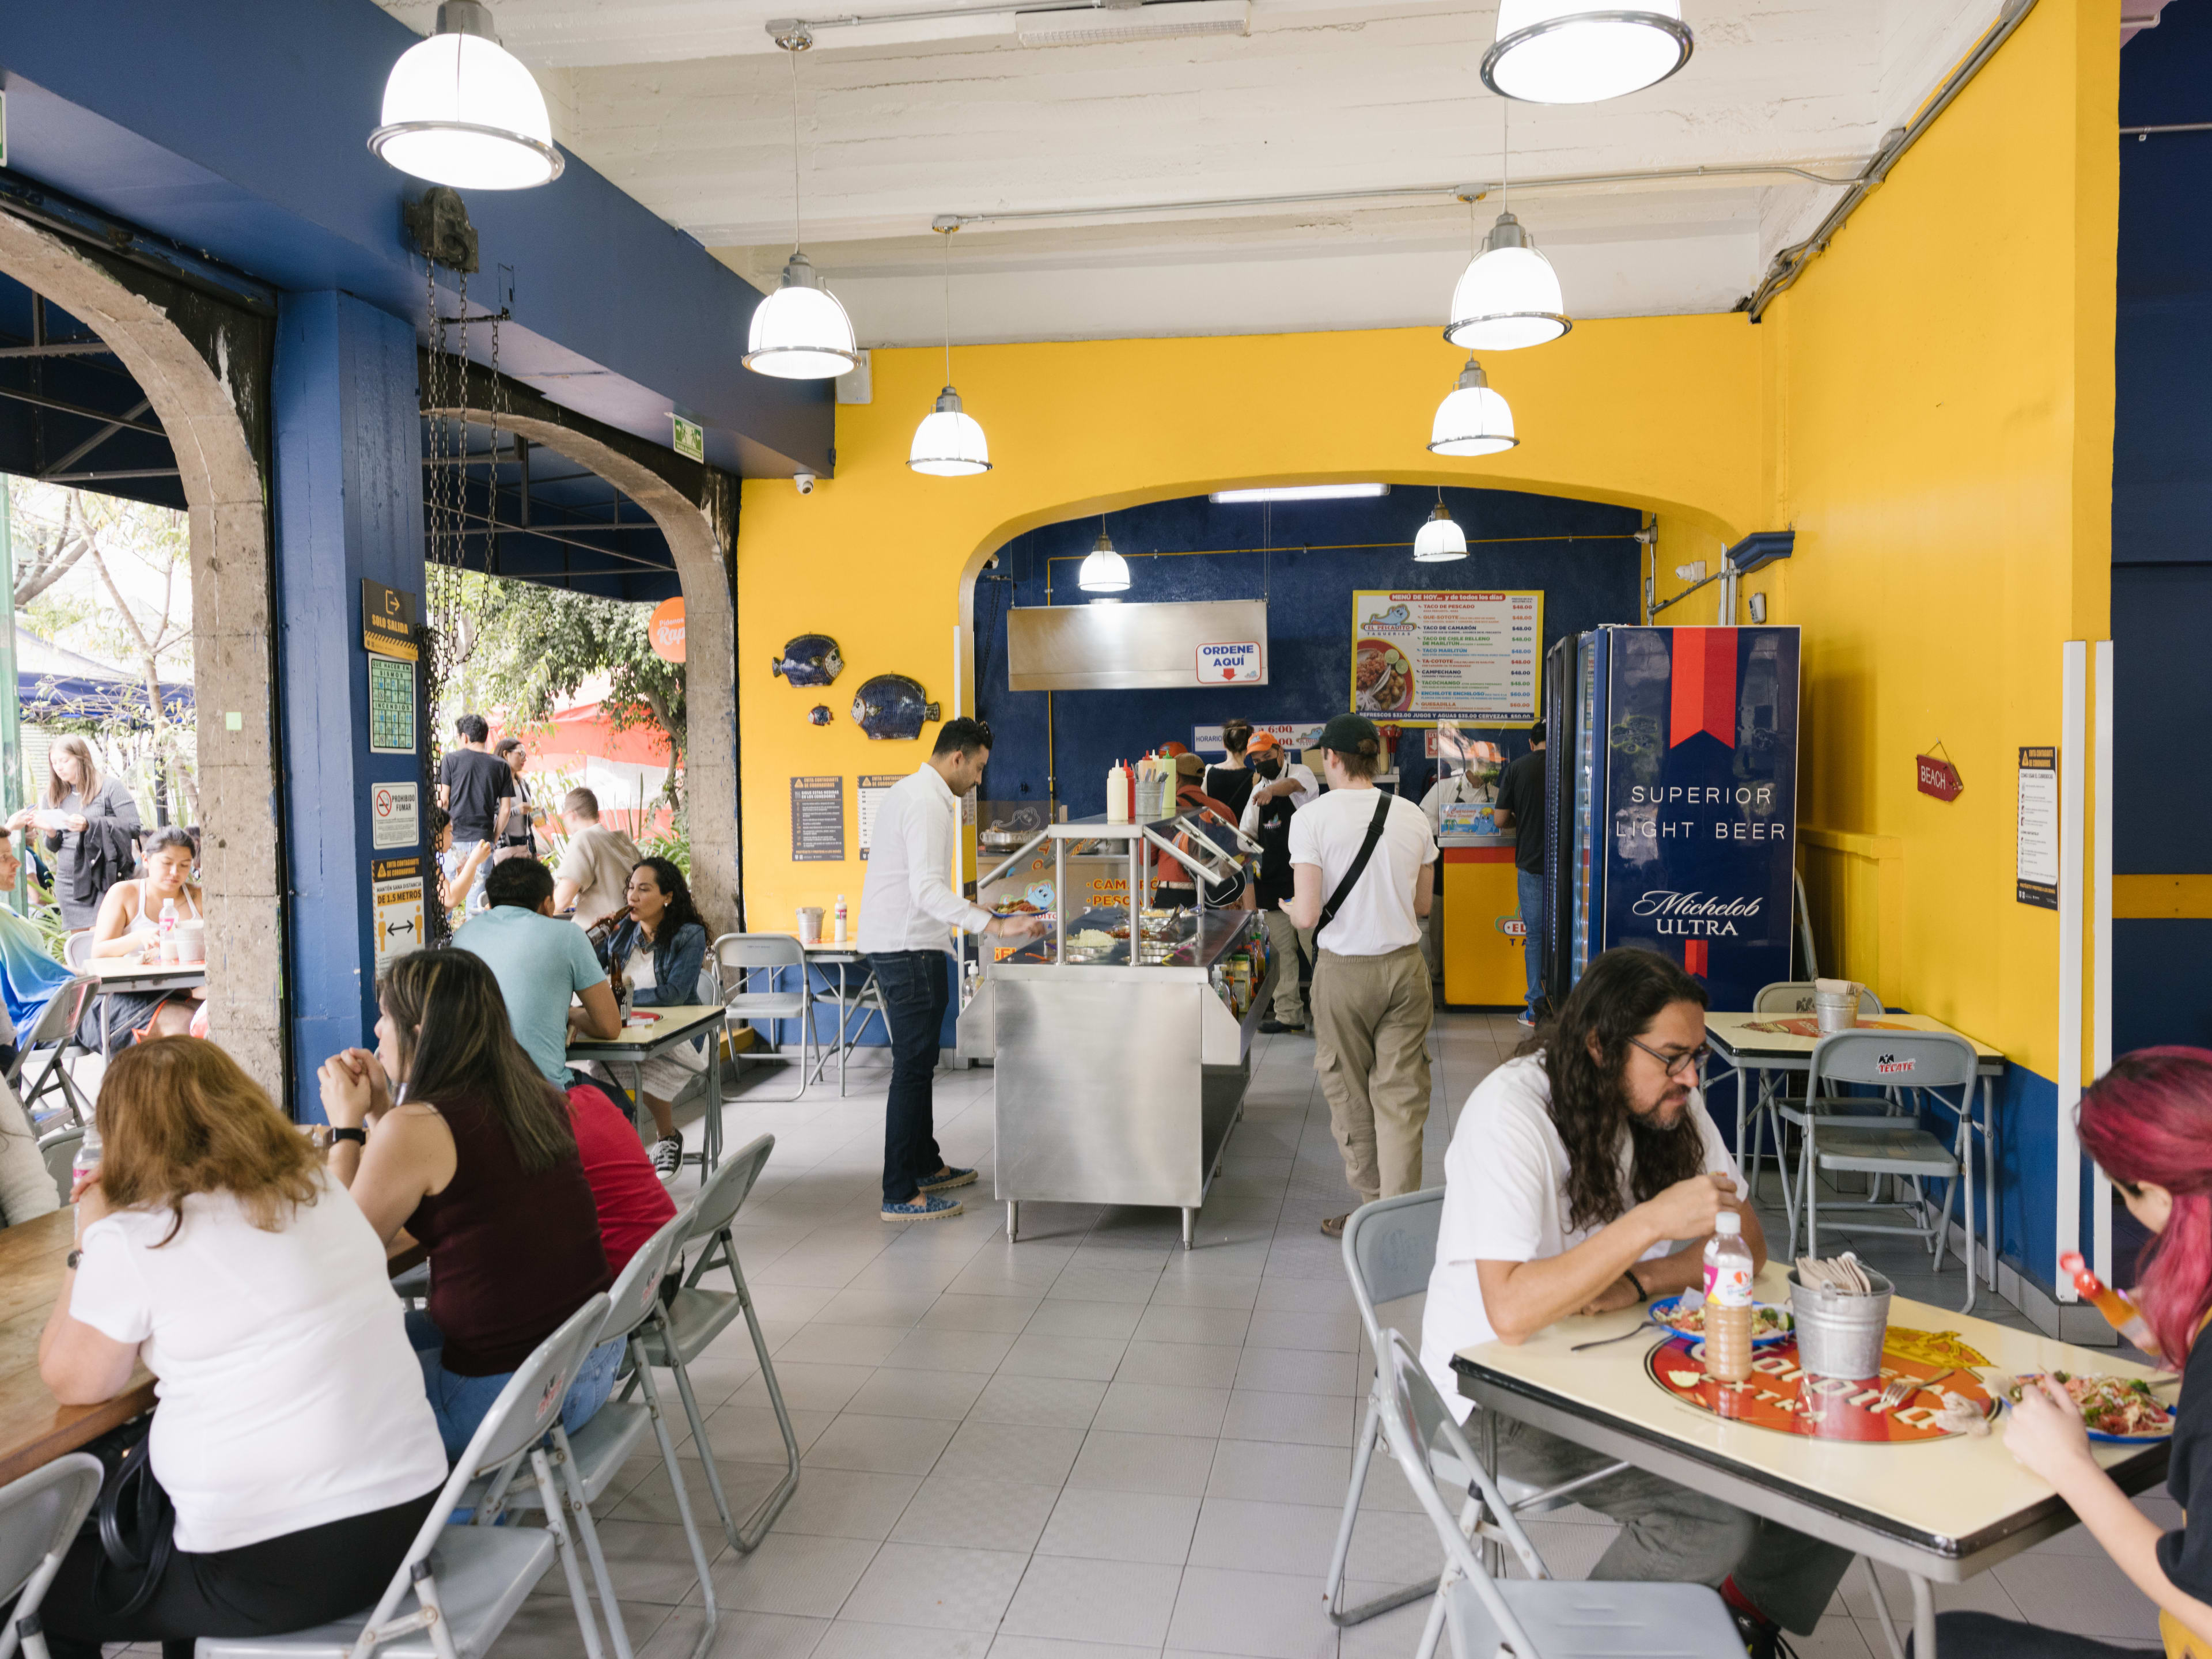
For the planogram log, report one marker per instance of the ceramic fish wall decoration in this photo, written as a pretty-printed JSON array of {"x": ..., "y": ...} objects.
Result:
[
  {"x": 892, "y": 706},
  {"x": 810, "y": 659},
  {"x": 819, "y": 714}
]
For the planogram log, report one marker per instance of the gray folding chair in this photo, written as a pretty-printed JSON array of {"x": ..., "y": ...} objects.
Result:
[
  {"x": 600, "y": 1448},
  {"x": 706, "y": 1085},
  {"x": 698, "y": 1315},
  {"x": 1775, "y": 1105},
  {"x": 738, "y": 956},
  {"x": 469, "y": 1581},
  {"x": 1896, "y": 1148},
  {"x": 1389, "y": 1251},
  {"x": 49, "y": 1044},
  {"x": 1538, "y": 1617},
  {"x": 39, "y": 1515},
  {"x": 59, "y": 1148}
]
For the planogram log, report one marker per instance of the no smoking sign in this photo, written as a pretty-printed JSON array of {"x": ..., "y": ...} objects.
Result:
[{"x": 394, "y": 815}]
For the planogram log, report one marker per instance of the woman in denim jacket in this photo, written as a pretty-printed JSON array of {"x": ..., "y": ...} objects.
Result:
[{"x": 654, "y": 955}]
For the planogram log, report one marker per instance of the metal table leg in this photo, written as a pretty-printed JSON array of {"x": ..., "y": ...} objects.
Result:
[
  {"x": 1189, "y": 1226},
  {"x": 1881, "y": 1609},
  {"x": 1013, "y": 1219},
  {"x": 1924, "y": 1619}
]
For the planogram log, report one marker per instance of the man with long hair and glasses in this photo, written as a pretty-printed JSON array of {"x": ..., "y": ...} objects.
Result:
[{"x": 1584, "y": 1176}]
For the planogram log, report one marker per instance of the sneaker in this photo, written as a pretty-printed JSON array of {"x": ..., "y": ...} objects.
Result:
[
  {"x": 927, "y": 1206},
  {"x": 1333, "y": 1227},
  {"x": 668, "y": 1157},
  {"x": 1277, "y": 1028},
  {"x": 1524, "y": 1017},
  {"x": 949, "y": 1177}
]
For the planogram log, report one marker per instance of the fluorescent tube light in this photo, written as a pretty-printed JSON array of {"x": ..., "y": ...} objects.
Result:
[{"x": 1300, "y": 493}]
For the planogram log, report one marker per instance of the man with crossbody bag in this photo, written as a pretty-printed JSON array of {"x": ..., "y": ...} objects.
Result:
[{"x": 1362, "y": 863}]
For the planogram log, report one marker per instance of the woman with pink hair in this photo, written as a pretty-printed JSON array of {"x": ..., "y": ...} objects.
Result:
[{"x": 2148, "y": 1122}]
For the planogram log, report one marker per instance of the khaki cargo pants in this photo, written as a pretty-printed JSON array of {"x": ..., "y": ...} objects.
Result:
[
  {"x": 1286, "y": 939},
  {"x": 1371, "y": 1017}
]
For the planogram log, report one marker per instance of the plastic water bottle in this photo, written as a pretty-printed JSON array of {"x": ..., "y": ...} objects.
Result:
[
  {"x": 85, "y": 1166},
  {"x": 839, "y": 922},
  {"x": 168, "y": 930},
  {"x": 1728, "y": 1301}
]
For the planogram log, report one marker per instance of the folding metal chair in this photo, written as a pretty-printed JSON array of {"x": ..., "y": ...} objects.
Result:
[
  {"x": 1774, "y": 1106},
  {"x": 1898, "y": 1148},
  {"x": 698, "y": 1315},
  {"x": 39, "y": 1515},
  {"x": 52, "y": 1038},
  {"x": 469, "y": 1581},
  {"x": 738, "y": 956},
  {"x": 600, "y": 1448},
  {"x": 59, "y": 1148},
  {"x": 1538, "y": 1617},
  {"x": 706, "y": 1085},
  {"x": 1389, "y": 1251}
]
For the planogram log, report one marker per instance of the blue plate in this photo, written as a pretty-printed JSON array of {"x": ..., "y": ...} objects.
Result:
[
  {"x": 2005, "y": 1399},
  {"x": 1666, "y": 1305}
]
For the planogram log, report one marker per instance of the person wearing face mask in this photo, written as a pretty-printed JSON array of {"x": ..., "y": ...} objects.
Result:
[{"x": 1278, "y": 789}]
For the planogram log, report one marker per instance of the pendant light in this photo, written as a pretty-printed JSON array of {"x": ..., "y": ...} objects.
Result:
[
  {"x": 1508, "y": 297},
  {"x": 949, "y": 444},
  {"x": 1472, "y": 419},
  {"x": 799, "y": 332},
  {"x": 1439, "y": 540},
  {"x": 1102, "y": 570},
  {"x": 1568, "y": 52},
  {"x": 459, "y": 109}
]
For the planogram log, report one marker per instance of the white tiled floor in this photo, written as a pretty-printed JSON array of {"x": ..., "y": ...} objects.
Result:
[{"x": 1091, "y": 1444}]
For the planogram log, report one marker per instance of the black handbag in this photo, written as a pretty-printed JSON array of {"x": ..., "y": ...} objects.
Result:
[{"x": 137, "y": 1522}]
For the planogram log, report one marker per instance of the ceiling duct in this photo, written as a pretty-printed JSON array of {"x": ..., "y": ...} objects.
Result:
[{"x": 1161, "y": 20}]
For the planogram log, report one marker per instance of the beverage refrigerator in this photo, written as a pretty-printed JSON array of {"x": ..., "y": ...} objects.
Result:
[{"x": 1671, "y": 820}]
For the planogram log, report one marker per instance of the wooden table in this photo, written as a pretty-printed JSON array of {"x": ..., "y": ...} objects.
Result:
[
  {"x": 123, "y": 974},
  {"x": 1942, "y": 1512},
  {"x": 1742, "y": 1049},
  {"x": 636, "y": 1044}
]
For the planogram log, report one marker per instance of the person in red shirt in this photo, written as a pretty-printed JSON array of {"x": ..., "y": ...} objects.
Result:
[{"x": 633, "y": 1203}]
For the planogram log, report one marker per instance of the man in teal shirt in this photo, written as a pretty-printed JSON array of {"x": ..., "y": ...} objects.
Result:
[{"x": 540, "y": 962}]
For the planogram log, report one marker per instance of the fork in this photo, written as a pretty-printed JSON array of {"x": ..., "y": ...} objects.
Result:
[
  {"x": 1905, "y": 1387},
  {"x": 1607, "y": 1341}
]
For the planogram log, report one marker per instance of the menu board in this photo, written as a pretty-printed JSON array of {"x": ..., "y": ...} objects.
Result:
[
  {"x": 818, "y": 819},
  {"x": 1465, "y": 656}
]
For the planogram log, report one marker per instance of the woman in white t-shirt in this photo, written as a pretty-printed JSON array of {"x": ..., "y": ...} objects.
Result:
[{"x": 293, "y": 1435}]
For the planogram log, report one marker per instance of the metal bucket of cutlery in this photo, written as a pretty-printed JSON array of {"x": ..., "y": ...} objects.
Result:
[{"x": 1839, "y": 1334}]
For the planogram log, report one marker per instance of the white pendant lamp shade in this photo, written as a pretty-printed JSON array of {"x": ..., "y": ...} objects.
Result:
[
  {"x": 800, "y": 332},
  {"x": 949, "y": 444},
  {"x": 1439, "y": 539},
  {"x": 1104, "y": 570},
  {"x": 1569, "y": 52},
  {"x": 1508, "y": 297},
  {"x": 1472, "y": 419},
  {"x": 460, "y": 110}
]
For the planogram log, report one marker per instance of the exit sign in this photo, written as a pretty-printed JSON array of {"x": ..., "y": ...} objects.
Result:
[{"x": 691, "y": 438}]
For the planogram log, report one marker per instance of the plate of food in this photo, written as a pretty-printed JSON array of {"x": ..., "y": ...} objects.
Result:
[
  {"x": 1685, "y": 1317},
  {"x": 2118, "y": 1410},
  {"x": 1382, "y": 677}
]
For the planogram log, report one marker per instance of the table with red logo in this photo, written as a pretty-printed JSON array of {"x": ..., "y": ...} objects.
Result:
[
  {"x": 1909, "y": 1485},
  {"x": 1766, "y": 1044}
]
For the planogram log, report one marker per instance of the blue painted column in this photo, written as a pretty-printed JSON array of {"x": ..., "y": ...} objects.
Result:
[{"x": 348, "y": 505}]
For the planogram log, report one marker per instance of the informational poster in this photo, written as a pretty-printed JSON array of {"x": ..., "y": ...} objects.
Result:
[
  {"x": 2037, "y": 881},
  {"x": 395, "y": 815},
  {"x": 396, "y": 906},
  {"x": 391, "y": 706},
  {"x": 818, "y": 820},
  {"x": 387, "y": 620},
  {"x": 1293, "y": 735},
  {"x": 872, "y": 788},
  {"x": 1472, "y": 656}
]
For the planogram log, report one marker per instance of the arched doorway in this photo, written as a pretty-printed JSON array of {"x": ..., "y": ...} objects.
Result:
[{"x": 203, "y": 369}]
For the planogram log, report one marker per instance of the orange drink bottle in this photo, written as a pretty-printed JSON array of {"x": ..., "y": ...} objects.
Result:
[
  {"x": 1728, "y": 1301},
  {"x": 2119, "y": 1313}
]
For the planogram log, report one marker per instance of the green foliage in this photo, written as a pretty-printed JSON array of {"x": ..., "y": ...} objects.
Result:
[{"x": 675, "y": 845}]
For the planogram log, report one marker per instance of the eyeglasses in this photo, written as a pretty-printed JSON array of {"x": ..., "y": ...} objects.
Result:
[{"x": 1693, "y": 1061}]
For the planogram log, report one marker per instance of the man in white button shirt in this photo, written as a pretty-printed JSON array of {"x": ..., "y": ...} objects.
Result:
[
  {"x": 1371, "y": 1004},
  {"x": 908, "y": 908}
]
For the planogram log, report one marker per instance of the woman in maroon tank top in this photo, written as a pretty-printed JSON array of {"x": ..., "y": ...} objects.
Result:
[{"x": 470, "y": 1151}]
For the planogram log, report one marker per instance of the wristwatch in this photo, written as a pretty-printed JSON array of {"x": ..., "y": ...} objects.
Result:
[
  {"x": 74, "y": 1256},
  {"x": 355, "y": 1134}
]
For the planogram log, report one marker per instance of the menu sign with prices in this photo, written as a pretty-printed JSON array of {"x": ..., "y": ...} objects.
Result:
[
  {"x": 1467, "y": 656},
  {"x": 2036, "y": 879},
  {"x": 818, "y": 820},
  {"x": 873, "y": 787},
  {"x": 1293, "y": 735}
]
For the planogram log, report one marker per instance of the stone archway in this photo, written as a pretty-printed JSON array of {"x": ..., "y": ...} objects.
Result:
[
  {"x": 208, "y": 393},
  {"x": 696, "y": 541}
]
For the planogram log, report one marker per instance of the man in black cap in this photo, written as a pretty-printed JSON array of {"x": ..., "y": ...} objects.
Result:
[{"x": 1364, "y": 866}]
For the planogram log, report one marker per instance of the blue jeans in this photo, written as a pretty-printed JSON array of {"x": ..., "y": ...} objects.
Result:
[
  {"x": 460, "y": 1402},
  {"x": 916, "y": 992},
  {"x": 1529, "y": 884}
]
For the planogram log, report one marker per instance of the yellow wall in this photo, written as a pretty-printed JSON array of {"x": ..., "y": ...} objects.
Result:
[
  {"x": 1943, "y": 385},
  {"x": 1930, "y": 409}
]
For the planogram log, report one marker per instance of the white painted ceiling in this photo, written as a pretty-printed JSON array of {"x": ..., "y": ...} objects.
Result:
[{"x": 687, "y": 105}]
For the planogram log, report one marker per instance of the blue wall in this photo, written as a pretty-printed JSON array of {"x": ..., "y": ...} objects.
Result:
[
  {"x": 1581, "y": 554},
  {"x": 2162, "y": 529}
]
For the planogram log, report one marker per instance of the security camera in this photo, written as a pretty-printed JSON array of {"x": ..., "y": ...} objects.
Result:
[{"x": 806, "y": 483}]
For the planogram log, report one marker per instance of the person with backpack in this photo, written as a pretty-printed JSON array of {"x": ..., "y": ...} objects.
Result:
[{"x": 1363, "y": 867}]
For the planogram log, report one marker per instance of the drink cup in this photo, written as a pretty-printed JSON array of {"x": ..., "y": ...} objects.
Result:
[{"x": 810, "y": 924}]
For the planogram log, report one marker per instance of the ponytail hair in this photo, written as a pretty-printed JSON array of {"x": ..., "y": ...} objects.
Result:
[{"x": 2149, "y": 1118}]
